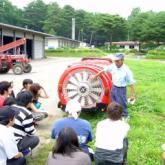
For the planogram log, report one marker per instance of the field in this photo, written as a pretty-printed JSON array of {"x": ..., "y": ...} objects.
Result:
[{"x": 147, "y": 117}]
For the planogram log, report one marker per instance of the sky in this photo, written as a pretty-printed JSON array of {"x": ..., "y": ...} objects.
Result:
[{"x": 120, "y": 7}]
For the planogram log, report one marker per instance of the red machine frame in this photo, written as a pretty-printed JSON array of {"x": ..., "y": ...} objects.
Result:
[{"x": 92, "y": 66}]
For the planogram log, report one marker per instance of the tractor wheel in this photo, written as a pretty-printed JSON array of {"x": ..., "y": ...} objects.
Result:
[
  {"x": 17, "y": 69},
  {"x": 4, "y": 68},
  {"x": 27, "y": 68}
]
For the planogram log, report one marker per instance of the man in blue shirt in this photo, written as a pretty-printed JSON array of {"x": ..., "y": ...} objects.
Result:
[
  {"x": 82, "y": 127},
  {"x": 121, "y": 77}
]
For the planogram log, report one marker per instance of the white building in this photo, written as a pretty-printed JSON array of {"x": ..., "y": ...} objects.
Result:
[
  {"x": 35, "y": 40},
  {"x": 55, "y": 42},
  {"x": 127, "y": 45}
]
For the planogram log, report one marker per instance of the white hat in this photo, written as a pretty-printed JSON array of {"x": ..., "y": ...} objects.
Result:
[
  {"x": 72, "y": 107},
  {"x": 118, "y": 56}
]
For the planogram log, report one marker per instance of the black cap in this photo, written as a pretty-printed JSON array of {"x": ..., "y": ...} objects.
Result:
[{"x": 6, "y": 112}]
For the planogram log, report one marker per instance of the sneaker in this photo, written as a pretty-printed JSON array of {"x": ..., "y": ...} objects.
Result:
[{"x": 26, "y": 151}]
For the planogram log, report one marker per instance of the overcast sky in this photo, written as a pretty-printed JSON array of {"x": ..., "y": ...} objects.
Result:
[{"x": 121, "y": 7}]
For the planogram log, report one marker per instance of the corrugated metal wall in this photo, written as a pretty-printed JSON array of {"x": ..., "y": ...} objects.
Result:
[
  {"x": 37, "y": 41},
  {"x": 38, "y": 47}
]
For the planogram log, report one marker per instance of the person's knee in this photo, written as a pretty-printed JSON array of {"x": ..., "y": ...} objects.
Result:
[
  {"x": 22, "y": 161},
  {"x": 19, "y": 161},
  {"x": 35, "y": 142}
]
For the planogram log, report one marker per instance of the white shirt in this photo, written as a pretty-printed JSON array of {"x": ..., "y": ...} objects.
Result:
[
  {"x": 8, "y": 146},
  {"x": 120, "y": 76},
  {"x": 110, "y": 134}
]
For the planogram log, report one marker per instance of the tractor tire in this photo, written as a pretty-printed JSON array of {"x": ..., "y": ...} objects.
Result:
[
  {"x": 27, "y": 68},
  {"x": 4, "y": 68},
  {"x": 18, "y": 69}
]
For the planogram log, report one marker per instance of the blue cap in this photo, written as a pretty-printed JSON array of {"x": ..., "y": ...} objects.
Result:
[
  {"x": 6, "y": 112},
  {"x": 118, "y": 56}
]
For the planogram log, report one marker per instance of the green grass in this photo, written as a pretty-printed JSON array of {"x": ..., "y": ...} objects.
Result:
[
  {"x": 152, "y": 56},
  {"x": 147, "y": 117},
  {"x": 75, "y": 53}
]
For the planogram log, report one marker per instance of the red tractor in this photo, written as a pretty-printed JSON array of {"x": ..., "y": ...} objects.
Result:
[
  {"x": 18, "y": 63},
  {"x": 75, "y": 83}
]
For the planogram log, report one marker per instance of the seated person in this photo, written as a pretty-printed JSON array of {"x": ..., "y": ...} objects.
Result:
[
  {"x": 111, "y": 143},
  {"x": 5, "y": 91},
  {"x": 12, "y": 92},
  {"x": 24, "y": 125},
  {"x": 9, "y": 101},
  {"x": 9, "y": 153},
  {"x": 67, "y": 150},
  {"x": 38, "y": 92},
  {"x": 81, "y": 127},
  {"x": 26, "y": 84}
]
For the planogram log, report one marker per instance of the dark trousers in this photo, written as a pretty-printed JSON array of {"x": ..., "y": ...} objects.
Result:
[
  {"x": 28, "y": 142},
  {"x": 20, "y": 161},
  {"x": 118, "y": 94},
  {"x": 108, "y": 163},
  {"x": 109, "y": 157}
]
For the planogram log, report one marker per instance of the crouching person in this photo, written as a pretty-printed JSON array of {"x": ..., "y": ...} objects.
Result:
[
  {"x": 81, "y": 127},
  {"x": 67, "y": 151},
  {"x": 24, "y": 125},
  {"x": 111, "y": 142},
  {"x": 9, "y": 154}
]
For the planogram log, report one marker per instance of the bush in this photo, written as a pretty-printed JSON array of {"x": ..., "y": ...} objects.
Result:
[
  {"x": 73, "y": 50},
  {"x": 148, "y": 46},
  {"x": 77, "y": 52},
  {"x": 156, "y": 52}
]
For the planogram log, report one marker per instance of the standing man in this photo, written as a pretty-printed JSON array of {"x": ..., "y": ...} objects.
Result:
[{"x": 121, "y": 77}]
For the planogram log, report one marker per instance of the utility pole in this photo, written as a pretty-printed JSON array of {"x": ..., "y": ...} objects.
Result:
[
  {"x": 91, "y": 38},
  {"x": 73, "y": 28}
]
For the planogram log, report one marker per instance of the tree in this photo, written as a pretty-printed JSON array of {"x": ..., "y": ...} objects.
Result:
[
  {"x": 52, "y": 23},
  {"x": 35, "y": 14},
  {"x": 114, "y": 27},
  {"x": 66, "y": 15},
  {"x": 10, "y": 14},
  {"x": 147, "y": 26}
]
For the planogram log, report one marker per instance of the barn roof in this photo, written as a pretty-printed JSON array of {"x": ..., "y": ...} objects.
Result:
[{"x": 12, "y": 27}]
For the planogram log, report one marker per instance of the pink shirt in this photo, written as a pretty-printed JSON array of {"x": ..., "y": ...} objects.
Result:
[{"x": 2, "y": 99}]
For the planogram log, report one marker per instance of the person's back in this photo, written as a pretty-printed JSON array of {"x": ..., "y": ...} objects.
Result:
[
  {"x": 24, "y": 129},
  {"x": 76, "y": 158},
  {"x": 4, "y": 138},
  {"x": 67, "y": 150},
  {"x": 114, "y": 132},
  {"x": 111, "y": 142},
  {"x": 80, "y": 126},
  {"x": 9, "y": 154}
]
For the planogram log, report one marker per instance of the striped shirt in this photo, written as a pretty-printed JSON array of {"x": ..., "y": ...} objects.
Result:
[{"x": 23, "y": 124}]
